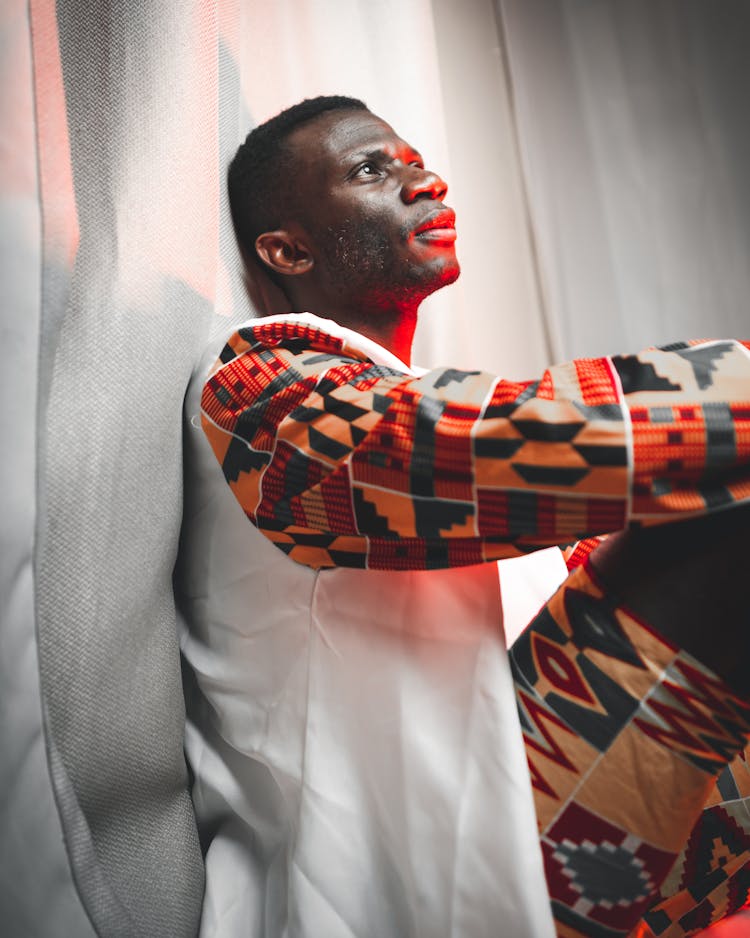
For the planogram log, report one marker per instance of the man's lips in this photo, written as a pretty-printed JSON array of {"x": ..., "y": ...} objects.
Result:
[{"x": 438, "y": 226}]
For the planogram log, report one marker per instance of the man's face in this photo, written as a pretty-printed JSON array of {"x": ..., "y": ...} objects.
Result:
[{"x": 378, "y": 229}]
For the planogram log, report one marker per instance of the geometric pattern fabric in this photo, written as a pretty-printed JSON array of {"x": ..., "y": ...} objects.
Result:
[
  {"x": 711, "y": 878},
  {"x": 609, "y": 709},
  {"x": 342, "y": 462}
]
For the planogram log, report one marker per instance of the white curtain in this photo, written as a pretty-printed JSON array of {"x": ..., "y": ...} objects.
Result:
[
  {"x": 632, "y": 120},
  {"x": 596, "y": 153}
]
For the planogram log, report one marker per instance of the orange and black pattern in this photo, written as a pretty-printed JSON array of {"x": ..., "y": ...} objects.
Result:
[
  {"x": 711, "y": 878},
  {"x": 610, "y": 710},
  {"x": 342, "y": 462}
]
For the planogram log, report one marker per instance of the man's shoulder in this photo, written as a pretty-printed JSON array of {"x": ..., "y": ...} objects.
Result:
[
  {"x": 304, "y": 332},
  {"x": 268, "y": 367}
]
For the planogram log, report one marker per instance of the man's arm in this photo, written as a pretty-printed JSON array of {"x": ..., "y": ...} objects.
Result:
[{"x": 344, "y": 462}]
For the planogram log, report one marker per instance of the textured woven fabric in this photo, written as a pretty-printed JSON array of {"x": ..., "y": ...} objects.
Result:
[
  {"x": 711, "y": 876},
  {"x": 131, "y": 285},
  {"x": 625, "y": 735},
  {"x": 342, "y": 462}
]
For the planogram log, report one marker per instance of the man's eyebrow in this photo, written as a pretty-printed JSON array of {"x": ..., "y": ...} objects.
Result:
[{"x": 385, "y": 156}]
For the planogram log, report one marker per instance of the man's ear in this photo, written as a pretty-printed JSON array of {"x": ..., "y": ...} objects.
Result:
[
  {"x": 266, "y": 298},
  {"x": 283, "y": 252}
]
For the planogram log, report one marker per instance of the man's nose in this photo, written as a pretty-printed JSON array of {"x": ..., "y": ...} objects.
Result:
[{"x": 422, "y": 183}]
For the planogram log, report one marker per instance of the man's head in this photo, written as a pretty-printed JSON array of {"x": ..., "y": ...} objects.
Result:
[
  {"x": 342, "y": 211},
  {"x": 259, "y": 177}
]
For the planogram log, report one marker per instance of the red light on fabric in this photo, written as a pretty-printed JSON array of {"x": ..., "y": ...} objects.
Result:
[{"x": 736, "y": 926}]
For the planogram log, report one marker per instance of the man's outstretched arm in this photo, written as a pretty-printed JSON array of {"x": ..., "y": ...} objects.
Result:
[{"x": 344, "y": 462}]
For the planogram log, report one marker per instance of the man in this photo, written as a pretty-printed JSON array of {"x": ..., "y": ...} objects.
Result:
[{"x": 359, "y": 765}]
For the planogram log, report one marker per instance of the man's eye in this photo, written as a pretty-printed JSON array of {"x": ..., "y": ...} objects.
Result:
[{"x": 367, "y": 169}]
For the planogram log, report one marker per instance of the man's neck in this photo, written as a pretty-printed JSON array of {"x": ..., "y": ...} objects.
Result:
[
  {"x": 396, "y": 335},
  {"x": 391, "y": 328},
  {"x": 389, "y": 322}
]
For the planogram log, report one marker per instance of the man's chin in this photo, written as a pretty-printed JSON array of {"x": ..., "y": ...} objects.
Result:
[
  {"x": 446, "y": 278},
  {"x": 454, "y": 274},
  {"x": 448, "y": 275}
]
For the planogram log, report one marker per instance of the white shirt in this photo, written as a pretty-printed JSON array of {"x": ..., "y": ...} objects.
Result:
[{"x": 359, "y": 765}]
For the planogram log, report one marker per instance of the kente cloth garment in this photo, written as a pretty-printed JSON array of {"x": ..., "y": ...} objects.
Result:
[
  {"x": 710, "y": 878},
  {"x": 344, "y": 462},
  {"x": 341, "y": 459},
  {"x": 627, "y": 739}
]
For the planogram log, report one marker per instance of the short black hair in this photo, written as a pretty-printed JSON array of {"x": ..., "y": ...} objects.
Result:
[{"x": 258, "y": 185}]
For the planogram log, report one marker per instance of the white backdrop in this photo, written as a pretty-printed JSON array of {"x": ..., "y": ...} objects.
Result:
[
  {"x": 635, "y": 141},
  {"x": 597, "y": 156}
]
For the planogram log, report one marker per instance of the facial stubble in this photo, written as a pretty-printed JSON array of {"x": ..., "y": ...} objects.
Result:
[{"x": 363, "y": 261}]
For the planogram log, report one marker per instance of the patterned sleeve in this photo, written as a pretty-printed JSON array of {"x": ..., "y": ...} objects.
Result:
[{"x": 343, "y": 462}]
